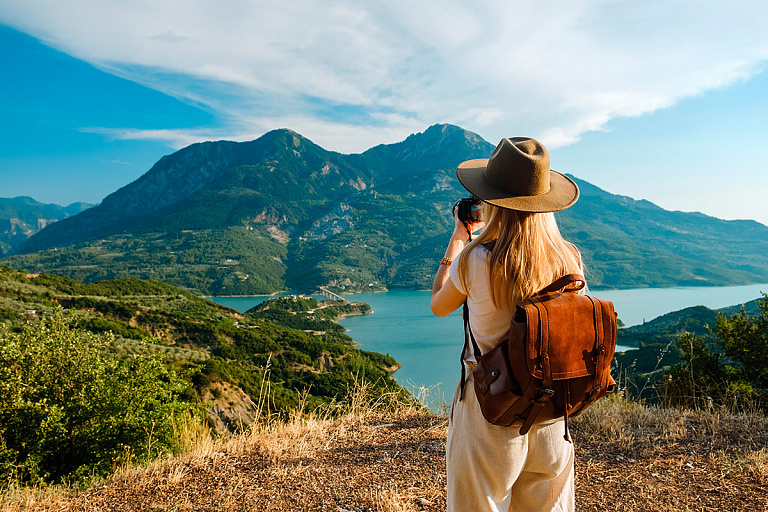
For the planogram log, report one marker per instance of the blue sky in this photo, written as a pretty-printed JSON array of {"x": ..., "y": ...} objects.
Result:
[{"x": 665, "y": 100}]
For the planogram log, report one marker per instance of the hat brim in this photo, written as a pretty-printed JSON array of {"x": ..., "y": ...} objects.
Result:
[{"x": 563, "y": 191}]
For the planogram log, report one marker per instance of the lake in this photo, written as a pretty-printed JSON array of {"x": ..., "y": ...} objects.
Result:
[{"x": 403, "y": 326}]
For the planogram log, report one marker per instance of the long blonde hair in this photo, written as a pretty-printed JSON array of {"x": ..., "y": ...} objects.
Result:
[{"x": 529, "y": 253}]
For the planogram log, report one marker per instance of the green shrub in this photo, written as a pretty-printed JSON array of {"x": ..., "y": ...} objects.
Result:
[
  {"x": 69, "y": 409},
  {"x": 732, "y": 370}
]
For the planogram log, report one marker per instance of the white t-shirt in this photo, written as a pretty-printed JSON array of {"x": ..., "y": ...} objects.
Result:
[{"x": 489, "y": 325}]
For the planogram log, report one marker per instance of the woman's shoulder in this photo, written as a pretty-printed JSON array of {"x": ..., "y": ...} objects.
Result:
[
  {"x": 476, "y": 263},
  {"x": 480, "y": 253}
]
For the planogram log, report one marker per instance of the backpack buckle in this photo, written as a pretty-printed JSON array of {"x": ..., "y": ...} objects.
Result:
[{"x": 543, "y": 396}]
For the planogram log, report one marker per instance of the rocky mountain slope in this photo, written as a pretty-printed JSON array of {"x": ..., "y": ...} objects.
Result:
[{"x": 280, "y": 212}]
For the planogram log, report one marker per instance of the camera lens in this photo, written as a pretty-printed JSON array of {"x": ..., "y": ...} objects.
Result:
[{"x": 468, "y": 209}]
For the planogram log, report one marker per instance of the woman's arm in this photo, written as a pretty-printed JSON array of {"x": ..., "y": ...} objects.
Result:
[{"x": 446, "y": 298}]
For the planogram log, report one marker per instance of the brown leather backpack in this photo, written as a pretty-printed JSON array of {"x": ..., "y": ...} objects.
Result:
[{"x": 555, "y": 361}]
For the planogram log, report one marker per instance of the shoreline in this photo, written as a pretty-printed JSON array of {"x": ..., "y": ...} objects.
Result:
[
  {"x": 345, "y": 315},
  {"x": 596, "y": 288}
]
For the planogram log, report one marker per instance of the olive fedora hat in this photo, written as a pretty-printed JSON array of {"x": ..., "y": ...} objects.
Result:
[{"x": 517, "y": 176}]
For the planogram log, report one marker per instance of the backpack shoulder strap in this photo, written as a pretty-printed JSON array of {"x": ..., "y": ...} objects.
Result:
[
  {"x": 563, "y": 282},
  {"x": 475, "y": 349}
]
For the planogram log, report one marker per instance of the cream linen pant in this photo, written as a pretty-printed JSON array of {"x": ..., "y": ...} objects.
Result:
[{"x": 495, "y": 469}]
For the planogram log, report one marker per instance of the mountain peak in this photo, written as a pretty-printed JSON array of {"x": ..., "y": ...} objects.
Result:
[
  {"x": 281, "y": 134},
  {"x": 441, "y": 146},
  {"x": 439, "y": 134}
]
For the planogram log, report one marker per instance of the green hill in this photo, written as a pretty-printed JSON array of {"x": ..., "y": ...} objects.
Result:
[
  {"x": 289, "y": 349},
  {"x": 656, "y": 340},
  {"x": 279, "y": 212}
]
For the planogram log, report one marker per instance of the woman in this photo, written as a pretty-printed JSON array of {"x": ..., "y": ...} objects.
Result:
[{"x": 492, "y": 468}]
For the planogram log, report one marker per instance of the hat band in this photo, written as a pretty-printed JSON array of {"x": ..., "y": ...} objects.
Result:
[{"x": 535, "y": 184}]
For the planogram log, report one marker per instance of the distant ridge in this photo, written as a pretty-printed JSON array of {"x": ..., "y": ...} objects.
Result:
[
  {"x": 22, "y": 217},
  {"x": 281, "y": 212}
]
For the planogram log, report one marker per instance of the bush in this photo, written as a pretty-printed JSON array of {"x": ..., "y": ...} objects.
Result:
[
  {"x": 68, "y": 409},
  {"x": 733, "y": 370}
]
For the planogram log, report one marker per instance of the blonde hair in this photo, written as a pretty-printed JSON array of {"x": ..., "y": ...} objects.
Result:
[{"x": 529, "y": 253}]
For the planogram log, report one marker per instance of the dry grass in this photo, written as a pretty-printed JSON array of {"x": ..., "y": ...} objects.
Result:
[
  {"x": 379, "y": 456},
  {"x": 635, "y": 457}
]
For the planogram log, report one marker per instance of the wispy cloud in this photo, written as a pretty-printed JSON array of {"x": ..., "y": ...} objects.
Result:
[
  {"x": 174, "y": 138},
  {"x": 348, "y": 74}
]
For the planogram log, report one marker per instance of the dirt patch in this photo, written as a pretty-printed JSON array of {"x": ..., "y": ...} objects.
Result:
[
  {"x": 278, "y": 234},
  {"x": 229, "y": 408}
]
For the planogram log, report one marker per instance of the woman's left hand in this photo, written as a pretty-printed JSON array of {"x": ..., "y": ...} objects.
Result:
[
  {"x": 446, "y": 298},
  {"x": 461, "y": 230}
]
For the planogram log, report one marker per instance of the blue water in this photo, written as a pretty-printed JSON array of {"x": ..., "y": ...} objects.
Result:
[
  {"x": 428, "y": 347},
  {"x": 638, "y": 305}
]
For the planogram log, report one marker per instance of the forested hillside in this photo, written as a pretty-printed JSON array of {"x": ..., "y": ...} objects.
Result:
[{"x": 290, "y": 344}]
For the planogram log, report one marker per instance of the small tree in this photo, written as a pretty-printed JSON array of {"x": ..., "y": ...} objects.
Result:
[
  {"x": 733, "y": 369},
  {"x": 68, "y": 408},
  {"x": 744, "y": 342},
  {"x": 698, "y": 378}
]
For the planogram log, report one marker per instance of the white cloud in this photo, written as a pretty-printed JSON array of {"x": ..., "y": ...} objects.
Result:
[
  {"x": 174, "y": 138},
  {"x": 334, "y": 135},
  {"x": 348, "y": 74}
]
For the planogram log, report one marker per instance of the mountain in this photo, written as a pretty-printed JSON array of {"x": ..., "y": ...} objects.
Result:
[
  {"x": 629, "y": 243},
  {"x": 22, "y": 217},
  {"x": 280, "y": 178},
  {"x": 281, "y": 212}
]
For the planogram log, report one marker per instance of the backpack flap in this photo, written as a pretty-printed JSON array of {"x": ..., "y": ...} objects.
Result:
[{"x": 580, "y": 331}]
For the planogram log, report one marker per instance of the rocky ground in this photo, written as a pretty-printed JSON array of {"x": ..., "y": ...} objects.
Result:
[{"x": 629, "y": 457}]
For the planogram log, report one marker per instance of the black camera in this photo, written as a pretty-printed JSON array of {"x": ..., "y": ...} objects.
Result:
[{"x": 468, "y": 209}]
